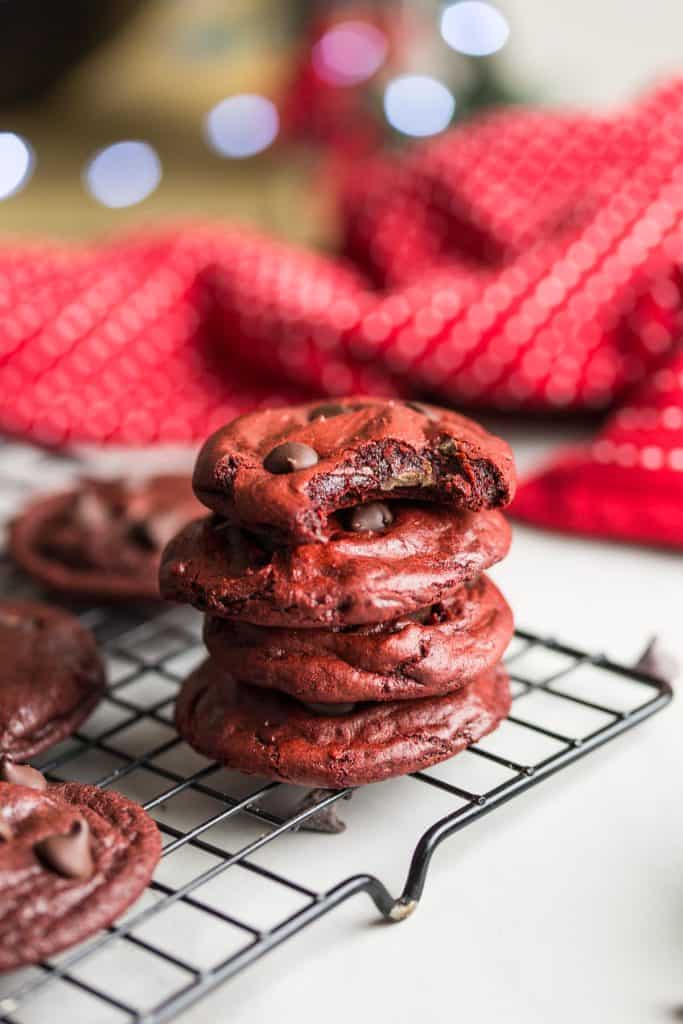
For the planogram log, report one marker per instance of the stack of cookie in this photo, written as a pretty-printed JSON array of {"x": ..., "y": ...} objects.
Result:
[{"x": 353, "y": 635}]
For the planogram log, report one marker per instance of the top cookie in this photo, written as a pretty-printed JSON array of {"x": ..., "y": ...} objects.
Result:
[{"x": 286, "y": 470}]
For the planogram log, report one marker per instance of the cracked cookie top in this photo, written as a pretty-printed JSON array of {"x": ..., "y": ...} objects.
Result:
[{"x": 287, "y": 470}]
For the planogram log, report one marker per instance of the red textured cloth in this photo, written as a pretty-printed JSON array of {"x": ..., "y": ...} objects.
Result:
[
  {"x": 629, "y": 483},
  {"x": 529, "y": 261}
]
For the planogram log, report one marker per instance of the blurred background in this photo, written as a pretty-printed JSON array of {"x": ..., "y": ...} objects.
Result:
[{"x": 134, "y": 111}]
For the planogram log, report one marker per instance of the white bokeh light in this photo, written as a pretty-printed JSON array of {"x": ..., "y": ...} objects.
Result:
[
  {"x": 418, "y": 105},
  {"x": 474, "y": 28},
  {"x": 16, "y": 163},
  {"x": 242, "y": 125},
  {"x": 349, "y": 53},
  {"x": 123, "y": 174}
]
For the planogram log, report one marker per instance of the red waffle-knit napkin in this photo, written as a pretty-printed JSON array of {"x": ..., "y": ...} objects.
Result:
[{"x": 628, "y": 484}]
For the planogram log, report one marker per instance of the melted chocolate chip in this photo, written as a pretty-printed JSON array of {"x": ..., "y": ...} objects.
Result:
[
  {"x": 326, "y": 412},
  {"x": 21, "y": 774},
  {"x": 69, "y": 855},
  {"x": 330, "y": 709},
  {"x": 431, "y": 414},
  {"x": 289, "y": 457},
  {"x": 374, "y": 516}
]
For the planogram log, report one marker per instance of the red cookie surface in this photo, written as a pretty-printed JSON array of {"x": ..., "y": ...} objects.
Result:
[
  {"x": 268, "y": 733},
  {"x": 434, "y": 651},
  {"x": 347, "y": 452},
  {"x": 104, "y": 538},
  {"x": 41, "y": 910},
  {"x": 51, "y": 677},
  {"x": 422, "y": 557}
]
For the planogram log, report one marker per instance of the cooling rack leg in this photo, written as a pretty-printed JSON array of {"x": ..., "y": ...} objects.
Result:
[
  {"x": 402, "y": 908},
  {"x": 390, "y": 908}
]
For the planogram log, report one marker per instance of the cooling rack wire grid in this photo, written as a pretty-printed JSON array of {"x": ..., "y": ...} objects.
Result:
[{"x": 243, "y": 868}]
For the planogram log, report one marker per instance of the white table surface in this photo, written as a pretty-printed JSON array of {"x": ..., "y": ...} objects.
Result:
[{"x": 565, "y": 905}]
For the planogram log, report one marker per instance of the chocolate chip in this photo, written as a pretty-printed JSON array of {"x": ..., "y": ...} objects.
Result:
[
  {"x": 324, "y": 820},
  {"x": 431, "y": 414},
  {"x": 330, "y": 709},
  {"x": 289, "y": 457},
  {"x": 326, "y": 412},
  {"x": 21, "y": 774},
  {"x": 374, "y": 516},
  {"x": 69, "y": 855}
]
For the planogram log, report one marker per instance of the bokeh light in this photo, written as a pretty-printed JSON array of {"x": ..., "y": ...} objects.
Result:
[
  {"x": 242, "y": 125},
  {"x": 418, "y": 105},
  {"x": 474, "y": 28},
  {"x": 123, "y": 174},
  {"x": 349, "y": 53},
  {"x": 16, "y": 163}
]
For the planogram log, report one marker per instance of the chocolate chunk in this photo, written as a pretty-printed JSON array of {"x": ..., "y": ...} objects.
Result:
[
  {"x": 289, "y": 457},
  {"x": 373, "y": 516},
  {"x": 330, "y": 709},
  {"x": 657, "y": 661},
  {"x": 69, "y": 855},
  {"x": 326, "y": 412},
  {"x": 21, "y": 774},
  {"x": 431, "y": 414},
  {"x": 326, "y": 819}
]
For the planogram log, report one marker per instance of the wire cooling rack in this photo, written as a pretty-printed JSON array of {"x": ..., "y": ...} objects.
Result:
[{"x": 236, "y": 876}]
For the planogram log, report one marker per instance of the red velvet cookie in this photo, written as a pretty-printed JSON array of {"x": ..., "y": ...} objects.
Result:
[
  {"x": 426, "y": 653},
  {"x": 421, "y": 557},
  {"x": 51, "y": 677},
  {"x": 286, "y": 470},
  {"x": 104, "y": 538},
  {"x": 268, "y": 733},
  {"x": 72, "y": 859}
]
